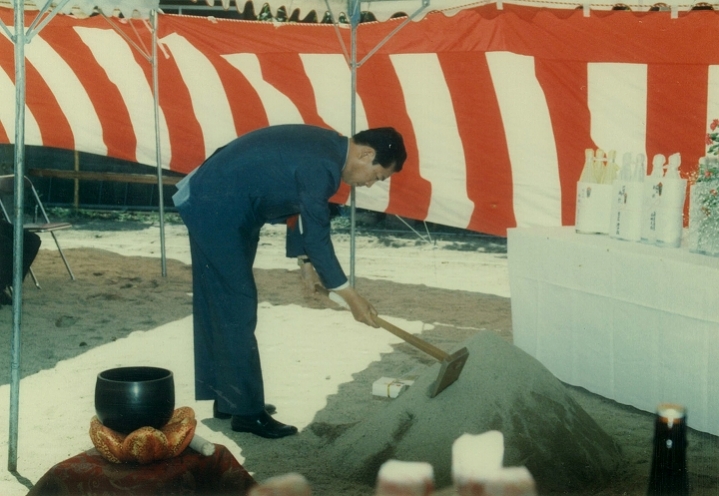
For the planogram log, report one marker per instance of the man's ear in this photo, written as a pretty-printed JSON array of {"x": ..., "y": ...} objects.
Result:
[{"x": 366, "y": 151}]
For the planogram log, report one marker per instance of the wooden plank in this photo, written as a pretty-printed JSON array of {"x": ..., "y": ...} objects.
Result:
[{"x": 104, "y": 176}]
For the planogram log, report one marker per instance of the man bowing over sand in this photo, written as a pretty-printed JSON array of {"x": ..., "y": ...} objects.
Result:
[{"x": 265, "y": 176}]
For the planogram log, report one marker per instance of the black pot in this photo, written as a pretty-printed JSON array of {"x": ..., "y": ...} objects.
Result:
[{"x": 128, "y": 398}]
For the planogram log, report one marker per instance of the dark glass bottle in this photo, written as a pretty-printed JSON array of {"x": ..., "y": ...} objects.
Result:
[{"x": 668, "y": 476}]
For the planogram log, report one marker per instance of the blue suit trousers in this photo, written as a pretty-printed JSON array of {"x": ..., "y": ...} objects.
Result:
[{"x": 227, "y": 361}]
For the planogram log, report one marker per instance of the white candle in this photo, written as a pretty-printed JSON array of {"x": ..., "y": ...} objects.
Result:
[
  {"x": 291, "y": 484},
  {"x": 399, "y": 478},
  {"x": 477, "y": 456},
  {"x": 477, "y": 468}
]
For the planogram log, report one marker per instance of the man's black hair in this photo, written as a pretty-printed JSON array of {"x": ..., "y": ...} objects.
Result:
[{"x": 387, "y": 144}]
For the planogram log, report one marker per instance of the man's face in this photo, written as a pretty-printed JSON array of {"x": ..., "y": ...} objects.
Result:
[{"x": 362, "y": 172}]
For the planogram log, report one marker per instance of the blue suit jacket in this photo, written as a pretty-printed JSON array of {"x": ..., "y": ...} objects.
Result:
[{"x": 273, "y": 173}]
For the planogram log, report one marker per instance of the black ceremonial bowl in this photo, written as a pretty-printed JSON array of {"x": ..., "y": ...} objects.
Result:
[{"x": 128, "y": 398}]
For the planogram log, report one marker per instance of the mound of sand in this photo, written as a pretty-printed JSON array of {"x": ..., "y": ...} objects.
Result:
[{"x": 501, "y": 388}]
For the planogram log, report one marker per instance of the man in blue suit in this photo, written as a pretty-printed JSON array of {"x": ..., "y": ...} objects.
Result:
[{"x": 266, "y": 176}]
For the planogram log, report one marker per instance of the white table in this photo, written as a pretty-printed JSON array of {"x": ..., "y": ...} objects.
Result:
[{"x": 635, "y": 323}]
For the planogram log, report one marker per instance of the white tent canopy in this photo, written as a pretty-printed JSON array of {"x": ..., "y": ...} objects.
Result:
[
  {"x": 129, "y": 8},
  {"x": 385, "y": 9},
  {"x": 382, "y": 9}
]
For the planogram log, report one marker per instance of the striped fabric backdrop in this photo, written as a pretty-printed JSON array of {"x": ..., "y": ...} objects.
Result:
[{"x": 496, "y": 106}]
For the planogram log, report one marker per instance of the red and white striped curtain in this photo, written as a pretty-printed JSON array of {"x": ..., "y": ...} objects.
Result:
[{"x": 496, "y": 106}]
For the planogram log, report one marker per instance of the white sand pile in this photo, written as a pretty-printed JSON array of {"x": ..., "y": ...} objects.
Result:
[{"x": 501, "y": 388}]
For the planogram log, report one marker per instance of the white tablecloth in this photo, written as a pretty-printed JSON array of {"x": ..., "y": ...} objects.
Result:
[{"x": 632, "y": 322}]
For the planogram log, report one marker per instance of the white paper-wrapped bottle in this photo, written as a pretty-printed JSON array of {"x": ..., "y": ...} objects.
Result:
[
  {"x": 669, "y": 221},
  {"x": 586, "y": 176},
  {"x": 650, "y": 201},
  {"x": 639, "y": 167},
  {"x": 627, "y": 197},
  {"x": 611, "y": 168},
  {"x": 594, "y": 199}
]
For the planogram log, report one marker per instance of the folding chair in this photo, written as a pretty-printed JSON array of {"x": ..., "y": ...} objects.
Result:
[{"x": 32, "y": 204}]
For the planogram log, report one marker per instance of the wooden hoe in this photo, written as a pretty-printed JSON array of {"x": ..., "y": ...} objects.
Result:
[{"x": 451, "y": 365}]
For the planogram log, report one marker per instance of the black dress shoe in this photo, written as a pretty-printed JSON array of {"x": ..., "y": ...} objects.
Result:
[
  {"x": 262, "y": 425},
  {"x": 269, "y": 408}
]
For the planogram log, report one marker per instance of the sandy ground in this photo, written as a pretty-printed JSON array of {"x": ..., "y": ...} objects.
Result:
[{"x": 319, "y": 364}]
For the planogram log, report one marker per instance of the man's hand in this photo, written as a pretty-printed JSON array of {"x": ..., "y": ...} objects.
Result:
[{"x": 362, "y": 310}]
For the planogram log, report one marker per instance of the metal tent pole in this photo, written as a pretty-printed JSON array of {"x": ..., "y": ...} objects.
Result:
[
  {"x": 19, "y": 42},
  {"x": 151, "y": 57},
  {"x": 354, "y": 17},
  {"x": 158, "y": 151},
  {"x": 19, "y": 39},
  {"x": 354, "y": 8}
]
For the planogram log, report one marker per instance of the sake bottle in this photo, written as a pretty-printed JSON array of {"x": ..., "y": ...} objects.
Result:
[
  {"x": 670, "y": 214},
  {"x": 650, "y": 202},
  {"x": 668, "y": 475},
  {"x": 639, "y": 168},
  {"x": 586, "y": 176},
  {"x": 611, "y": 168},
  {"x": 626, "y": 172},
  {"x": 598, "y": 165}
]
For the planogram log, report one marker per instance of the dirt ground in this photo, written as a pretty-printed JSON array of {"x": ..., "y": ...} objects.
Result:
[{"x": 115, "y": 295}]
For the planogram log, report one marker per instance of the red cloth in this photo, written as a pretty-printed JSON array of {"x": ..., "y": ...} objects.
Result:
[{"x": 89, "y": 474}]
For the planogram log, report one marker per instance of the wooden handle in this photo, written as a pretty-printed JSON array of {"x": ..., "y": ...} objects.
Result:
[
  {"x": 400, "y": 333},
  {"x": 412, "y": 339}
]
